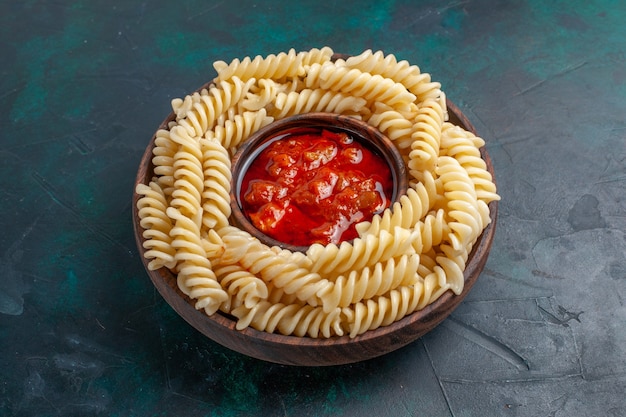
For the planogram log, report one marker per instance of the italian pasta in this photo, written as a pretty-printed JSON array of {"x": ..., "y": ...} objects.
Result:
[
  {"x": 403, "y": 259},
  {"x": 371, "y": 87},
  {"x": 276, "y": 67},
  {"x": 157, "y": 226},
  {"x": 199, "y": 112},
  {"x": 402, "y": 72},
  {"x": 307, "y": 101}
]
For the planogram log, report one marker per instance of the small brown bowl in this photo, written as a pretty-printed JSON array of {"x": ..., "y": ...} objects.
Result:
[
  {"x": 359, "y": 130},
  {"x": 306, "y": 351}
]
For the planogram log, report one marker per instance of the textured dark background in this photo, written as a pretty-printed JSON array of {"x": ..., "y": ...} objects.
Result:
[{"x": 83, "y": 86}]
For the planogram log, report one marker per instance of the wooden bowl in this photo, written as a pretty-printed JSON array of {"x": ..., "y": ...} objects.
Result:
[
  {"x": 359, "y": 130},
  {"x": 305, "y": 351}
]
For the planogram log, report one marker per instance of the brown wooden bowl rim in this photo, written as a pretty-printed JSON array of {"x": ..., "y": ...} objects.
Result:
[{"x": 221, "y": 328}]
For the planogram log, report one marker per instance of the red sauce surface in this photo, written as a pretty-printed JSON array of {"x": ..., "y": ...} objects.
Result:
[{"x": 312, "y": 186}]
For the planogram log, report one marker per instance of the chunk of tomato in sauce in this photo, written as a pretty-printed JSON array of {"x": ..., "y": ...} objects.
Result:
[{"x": 264, "y": 191}]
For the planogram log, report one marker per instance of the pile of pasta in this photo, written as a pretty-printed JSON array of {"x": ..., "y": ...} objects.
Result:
[{"x": 403, "y": 259}]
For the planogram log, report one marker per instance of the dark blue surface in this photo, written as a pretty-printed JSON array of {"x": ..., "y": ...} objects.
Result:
[{"x": 84, "y": 85}]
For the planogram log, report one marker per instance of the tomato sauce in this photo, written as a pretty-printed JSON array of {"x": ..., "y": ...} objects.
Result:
[{"x": 313, "y": 185}]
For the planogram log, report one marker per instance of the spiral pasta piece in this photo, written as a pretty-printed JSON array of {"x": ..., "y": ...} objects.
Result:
[
  {"x": 452, "y": 262},
  {"x": 394, "y": 125},
  {"x": 280, "y": 271},
  {"x": 318, "y": 100},
  {"x": 216, "y": 187},
  {"x": 196, "y": 277},
  {"x": 373, "y": 88},
  {"x": 402, "y": 72},
  {"x": 461, "y": 198},
  {"x": 163, "y": 160},
  {"x": 384, "y": 310},
  {"x": 200, "y": 112},
  {"x": 465, "y": 147},
  {"x": 368, "y": 250},
  {"x": 426, "y": 138},
  {"x": 273, "y": 66},
  {"x": 231, "y": 132},
  {"x": 157, "y": 226},
  {"x": 188, "y": 173},
  {"x": 290, "y": 319}
]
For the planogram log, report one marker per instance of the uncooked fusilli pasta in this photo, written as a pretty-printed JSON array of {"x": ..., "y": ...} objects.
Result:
[{"x": 403, "y": 258}]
